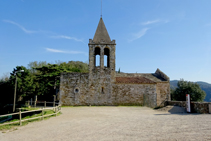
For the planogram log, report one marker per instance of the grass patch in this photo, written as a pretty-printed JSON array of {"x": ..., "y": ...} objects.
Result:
[
  {"x": 29, "y": 109},
  {"x": 3, "y": 118},
  {"x": 12, "y": 127}
]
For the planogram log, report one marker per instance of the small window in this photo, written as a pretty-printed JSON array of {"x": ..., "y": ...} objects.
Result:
[
  {"x": 76, "y": 90},
  {"x": 102, "y": 91}
]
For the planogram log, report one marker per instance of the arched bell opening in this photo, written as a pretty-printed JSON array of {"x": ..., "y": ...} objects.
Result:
[
  {"x": 97, "y": 57},
  {"x": 106, "y": 57}
]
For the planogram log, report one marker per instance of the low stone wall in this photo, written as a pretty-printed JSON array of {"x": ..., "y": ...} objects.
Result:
[
  {"x": 201, "y": 107},
  {"x": 196, "y": 107}
]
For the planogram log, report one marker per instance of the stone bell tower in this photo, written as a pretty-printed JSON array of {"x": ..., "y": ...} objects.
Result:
[{"x": 102, "y": 47}]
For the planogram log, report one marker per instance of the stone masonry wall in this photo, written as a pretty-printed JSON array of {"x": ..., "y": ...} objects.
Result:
[
  {"x": 100, "y": 91},
  {"x": 163, "y": 92},
  {"x": 196, "y": 107},
  {"x": 134, "y": 94},
  {"x": 100, "y": 87},
  {"x": 69, "y": 82}
]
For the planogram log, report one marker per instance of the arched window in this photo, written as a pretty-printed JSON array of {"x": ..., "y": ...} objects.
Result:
[
  {"x": 106, "y": 57},
  {"x": 97, "y": 56}
]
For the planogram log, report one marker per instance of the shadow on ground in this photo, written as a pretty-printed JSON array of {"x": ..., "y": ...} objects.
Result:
[{"x": 174, "y": 110}]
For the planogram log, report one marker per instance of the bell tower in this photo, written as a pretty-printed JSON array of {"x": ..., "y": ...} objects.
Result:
[{"x": 102, "y": 48}]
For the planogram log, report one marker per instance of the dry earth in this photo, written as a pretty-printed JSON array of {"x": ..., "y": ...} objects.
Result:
[{"x": 116, "y": 124}]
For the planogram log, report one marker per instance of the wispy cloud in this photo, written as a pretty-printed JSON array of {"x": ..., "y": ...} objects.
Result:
[
  {"x": 64, "y": 51},
  {"x": 154, "y": 21},
  {"x": 20, "y": 26},
  {"x": 139, "y": 34},
  {"x": 67, "y": 37},
  {"x": 150, "y": 22}
]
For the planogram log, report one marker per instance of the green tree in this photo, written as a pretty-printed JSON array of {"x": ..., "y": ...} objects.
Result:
[
  {"x": 25, "y": 83},
  {"x": 47, "y": 79},
  {"x": 185, "y": 87},
  {"x": 118, "y": 71},
  {"x": 36, "y": 64},
  {"x": 25, "y": 88},
  {"x": 40, "y": 78}
]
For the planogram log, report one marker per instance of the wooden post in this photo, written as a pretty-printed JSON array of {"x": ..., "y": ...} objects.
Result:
[
  {"x": 42, "y": 114},
  {"x": 35, "y": 101},
  {"x": 35, "y": 104},
  {"x": 31, "y": 101},
  {"x": 54, "y": 99},
  {"x": 20, "y": 116},
  {"x": 45, "y": 104},
  {"x": 28, "y": 102},
  {"x": 35, "y": 98}
]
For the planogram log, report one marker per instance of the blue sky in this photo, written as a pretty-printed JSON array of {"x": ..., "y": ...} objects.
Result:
[{"x": 172, "y": 35}]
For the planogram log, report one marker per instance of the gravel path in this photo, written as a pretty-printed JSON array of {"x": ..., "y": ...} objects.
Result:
[{"x": 115, "y": 124}]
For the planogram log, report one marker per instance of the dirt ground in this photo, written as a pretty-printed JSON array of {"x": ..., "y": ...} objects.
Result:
[{"x": 116, "y": 124}]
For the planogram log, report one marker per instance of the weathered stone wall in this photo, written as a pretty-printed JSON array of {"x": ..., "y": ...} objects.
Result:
[
  {"x": 112, "y": 51},
  {"x": 100, "y": 87},
  {"x": 196, "y": 107},
  {"x": 100, "y": 91},
  {"x": 69, "y": 82},
  {"x": 163, "y": 92},
  {"x": 134, "y": 94},
  {"x": 162, "y": 75},
  {"x": 200, "y": 107},
  {"x": 94, "y": 90}
]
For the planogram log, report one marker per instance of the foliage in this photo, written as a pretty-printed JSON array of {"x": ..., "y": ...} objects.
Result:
[
  {"x": 46, "y": 112},
  {"x": 36, "y": 64},
  {"x": 203, "y": 85},
  {"x": 39, "y": 78},
  {"x": 118, "y": 71},
  {"x": 185, "y": 87},
  {"x": 25, "y": 85},
  {"x": 207, "y": 88}
]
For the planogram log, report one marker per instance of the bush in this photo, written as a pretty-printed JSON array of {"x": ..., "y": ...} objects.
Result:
[{"x": 186, "y": 87}]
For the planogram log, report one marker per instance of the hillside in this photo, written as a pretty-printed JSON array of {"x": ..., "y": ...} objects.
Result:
[{"x": 204, "y": 86}]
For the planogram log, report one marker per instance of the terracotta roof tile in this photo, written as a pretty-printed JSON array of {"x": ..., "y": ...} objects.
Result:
[{"x": 134, "y": 80}]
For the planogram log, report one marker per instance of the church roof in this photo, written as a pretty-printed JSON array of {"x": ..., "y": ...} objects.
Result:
[
  {"x": 101, "y": 34},
  {"x": 151, "y": 76},
  {"x": 134, "y": 80}
]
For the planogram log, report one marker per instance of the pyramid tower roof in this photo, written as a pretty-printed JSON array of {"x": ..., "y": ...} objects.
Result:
[{"x": 101, "y": 34}]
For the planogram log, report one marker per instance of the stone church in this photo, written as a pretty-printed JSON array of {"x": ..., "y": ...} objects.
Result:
[{"x": 104, "y": 86}]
